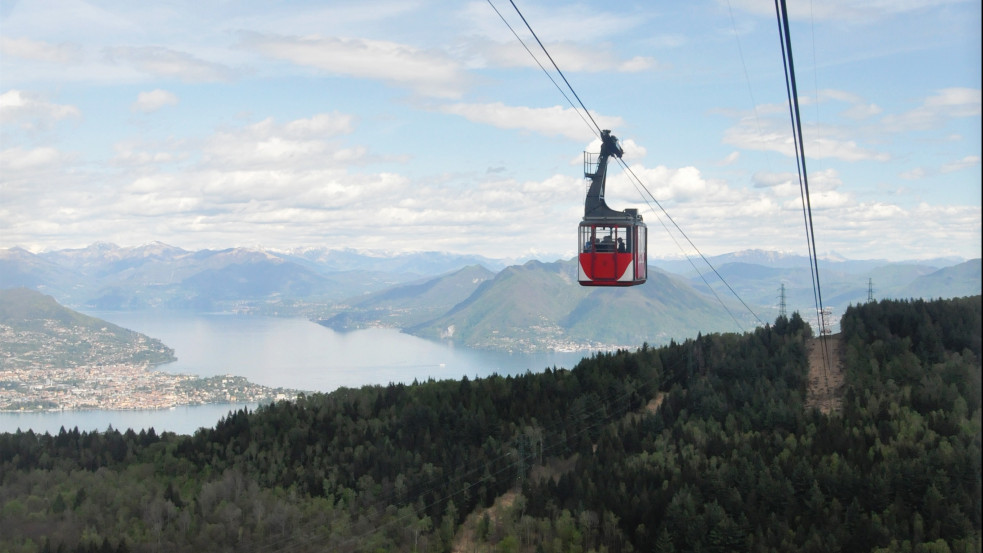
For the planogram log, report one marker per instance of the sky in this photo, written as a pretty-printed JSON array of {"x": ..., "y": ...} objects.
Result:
[{"x": 398, "y": 126}]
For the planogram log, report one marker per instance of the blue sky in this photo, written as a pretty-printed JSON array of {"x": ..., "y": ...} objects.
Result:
[{"x": 425, "y": 125}]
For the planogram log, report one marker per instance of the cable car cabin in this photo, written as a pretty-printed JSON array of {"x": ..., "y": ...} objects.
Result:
[
  {"x": 612, "y": 244},
  {"x": 612, "y": 254}
]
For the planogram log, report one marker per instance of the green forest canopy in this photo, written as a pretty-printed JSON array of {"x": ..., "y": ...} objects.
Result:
[{"x": 731, "y": 460}]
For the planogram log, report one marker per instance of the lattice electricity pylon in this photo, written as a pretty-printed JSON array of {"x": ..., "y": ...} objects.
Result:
[
  {"x": 781, "y": 301},
  {"x": 826, "y": 322}
]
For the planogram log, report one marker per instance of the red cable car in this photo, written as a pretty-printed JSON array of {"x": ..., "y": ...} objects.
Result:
[{"x": 612, "y": 244}]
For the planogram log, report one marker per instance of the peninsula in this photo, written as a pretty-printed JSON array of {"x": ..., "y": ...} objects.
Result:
[{"x": 53, "y": 358}]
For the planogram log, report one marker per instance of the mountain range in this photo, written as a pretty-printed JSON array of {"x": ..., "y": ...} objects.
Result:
[
  {"x": 470, "y": 300},
  {"x": 108, "y": 277}
]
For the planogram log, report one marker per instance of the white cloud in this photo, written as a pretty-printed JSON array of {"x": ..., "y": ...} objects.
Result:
[
  {"x": 960, "y": 102},
  {"x": 231, "y": 197},
  {"x": 633, "y": 150},
  {"x": 36, "y": 50},
  {"x": 870, "y": 230},
  {"x": 74, "y": 20},
  {"x": 768, "y": 135},
  {"x": 846, "y": 150},
  {"x": 824, "y": 180},
  {"x": 574, "y": 22},
  {"x": 862, "y": 111},
  {"x": 154, "y": 100},
  {"x": 685, "y": 184},
  {"x": 787, "y": 184},
  {"x": 964, "y": 163},
  {"x": 428, "y": 72},
  {"x": 945, "y": 104},
  {"x": 320, "y": 17},
  {"x": 32, "y": 111},
  {"x": 914, "y": 174},
  {"x": 880, "y": 230},
  {"x": 859, "y": 108},
  {"x": 299, "y": 143},
  {"x": 839, "y": 10},
  {"x": 950, "y": 167},
  {"x": 638, "y": 63},
  {"x": 551, "y": 121},
  {"x": 132, "y": 154},
  {"x": 19, "y": 159},
  {"x": 320, "y": 125},
  {"x": 823, "y": 199},
  {"x": 285, "y": 202},
  {"x": 875, "y": 211},
  {"x": 766, "y": 179},
  {"x": 569, "y": 56},
  {"x": 164, "y": 62}
]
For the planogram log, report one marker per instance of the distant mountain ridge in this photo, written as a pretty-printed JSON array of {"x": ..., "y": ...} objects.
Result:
[
  {"x": 421, "y": 263},
  {"x": 471, "y": 300},
  {"x": 408, "y": 305},
  {"x": 786, "y": 260},
  {"x": 946, "y": 282},
  {"x": 155, "y": 276},
  {"x": 758, "y": 276}
]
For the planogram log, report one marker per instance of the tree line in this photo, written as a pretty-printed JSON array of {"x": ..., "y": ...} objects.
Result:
[{"x": 701, "y": 445}]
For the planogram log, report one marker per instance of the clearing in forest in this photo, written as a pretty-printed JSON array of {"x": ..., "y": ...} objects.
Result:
[{"x": 825, "y": 373}]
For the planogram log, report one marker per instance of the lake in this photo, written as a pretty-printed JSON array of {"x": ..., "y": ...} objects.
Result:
[{"x": 282, "y": 352}]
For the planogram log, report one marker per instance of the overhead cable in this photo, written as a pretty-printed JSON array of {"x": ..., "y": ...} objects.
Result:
[{"x": 793, "y": 100}]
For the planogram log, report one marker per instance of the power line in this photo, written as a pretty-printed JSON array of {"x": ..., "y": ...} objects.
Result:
[
  {"x": 545, "y": 51},
  {"x": 793, "y": 100},
  {"x": 533, "y": 56}
]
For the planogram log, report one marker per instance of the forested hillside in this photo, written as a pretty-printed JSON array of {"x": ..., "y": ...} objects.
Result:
[
  {"x": 704, "y": 445},
  {"x": 538, "y": 307},
  {"x": 35, "y": 331}
]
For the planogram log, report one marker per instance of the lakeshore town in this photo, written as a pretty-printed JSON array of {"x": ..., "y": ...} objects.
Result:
[{"x": 48, "y": 371}]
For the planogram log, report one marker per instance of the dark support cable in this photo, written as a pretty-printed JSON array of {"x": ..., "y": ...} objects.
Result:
[
  {"x": 793, "y": 97},
  {"x": 793, "y": 104},
  {"x": 550, "y": 77},
  {"x": 555, "y": 66}
]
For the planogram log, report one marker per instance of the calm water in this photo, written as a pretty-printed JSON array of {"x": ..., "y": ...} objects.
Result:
[{"x": 289, "y": 353}]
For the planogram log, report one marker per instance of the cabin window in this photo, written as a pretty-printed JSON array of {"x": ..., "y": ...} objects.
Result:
[{"x": 606, "y": 238}]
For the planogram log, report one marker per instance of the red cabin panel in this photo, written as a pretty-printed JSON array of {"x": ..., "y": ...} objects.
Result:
[{"x": 607, "y": 268}]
